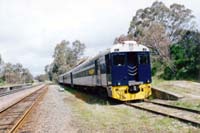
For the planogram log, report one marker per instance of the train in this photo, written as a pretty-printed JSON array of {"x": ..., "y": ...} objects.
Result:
[{"x": 122, "y": 72}]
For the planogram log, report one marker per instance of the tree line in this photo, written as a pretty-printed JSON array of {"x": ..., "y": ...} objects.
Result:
[
  {"x": 14, "y": 73},
  {"x": 172, "y": 35},
  {"x": 66, "y": 56}
]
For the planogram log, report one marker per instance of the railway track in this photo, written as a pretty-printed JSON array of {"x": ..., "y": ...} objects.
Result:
[
  {"x": 12, "y": 118},
  {"x": 185, "y": 115}
]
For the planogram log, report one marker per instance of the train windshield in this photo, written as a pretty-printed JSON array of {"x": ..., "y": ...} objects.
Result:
[
  {"x": 143, "y": 59},
  {"x": 119, "y": 60},
  {"x": 131, "y": 58}
]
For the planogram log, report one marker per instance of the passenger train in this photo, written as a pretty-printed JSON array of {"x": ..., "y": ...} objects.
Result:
[{"x": 123, "y": 71}]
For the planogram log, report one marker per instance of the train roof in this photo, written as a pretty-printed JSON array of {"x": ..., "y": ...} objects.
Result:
[{"x": 126, "y": 46}]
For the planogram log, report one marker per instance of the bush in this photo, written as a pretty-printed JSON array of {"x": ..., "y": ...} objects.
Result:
[
  {"x": 168, "y": 74},
  {"x": 186, "y": 61},
  {"x": 1, "y": 81},
  {"x": 156, "y": 67}
]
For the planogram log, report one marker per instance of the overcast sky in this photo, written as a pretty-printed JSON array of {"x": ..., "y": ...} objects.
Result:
[{"x": 30, "y": 29}]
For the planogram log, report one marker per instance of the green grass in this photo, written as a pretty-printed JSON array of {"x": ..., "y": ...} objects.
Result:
[
  {"x": 188, "y": 104},
  {"x": 157, "y": 81},
  {"x": 165, "y": 124},
  {"x": 2, "y": 82}
]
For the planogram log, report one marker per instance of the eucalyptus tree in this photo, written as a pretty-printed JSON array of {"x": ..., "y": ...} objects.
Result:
[
  {"x": 65, "y": 57},
  {"x": 175, "y": 19},
  {"x": 77, "y": 49},
  {"x": 160, "y": 26}
]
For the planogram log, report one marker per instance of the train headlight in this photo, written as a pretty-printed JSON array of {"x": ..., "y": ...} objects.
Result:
[
  {"x": 118, "y": 83},
  {"x": 133, "y": 89}
]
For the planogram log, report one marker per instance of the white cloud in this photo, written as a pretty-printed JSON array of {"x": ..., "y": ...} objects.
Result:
[{"x": 30, "y": 29}]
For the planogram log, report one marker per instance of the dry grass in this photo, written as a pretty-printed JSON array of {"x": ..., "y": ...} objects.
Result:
[
  {"x": 182, "y": 87},
  {"x": 188, "y": 103},
  {"x": 188, "y": 89}
]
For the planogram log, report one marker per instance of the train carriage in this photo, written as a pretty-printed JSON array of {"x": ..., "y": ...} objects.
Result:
[{"x": 123, "y": 71}]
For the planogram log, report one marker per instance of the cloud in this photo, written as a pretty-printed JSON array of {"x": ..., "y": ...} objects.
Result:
[{"x": 29, "y": 30}]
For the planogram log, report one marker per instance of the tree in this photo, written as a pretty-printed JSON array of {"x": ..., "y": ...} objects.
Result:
[
  {"x": 1, "y": 68},
  {"x": 9, "y": 76},
  {"x": 78, "y": 49},
  {"x": 121, "y": 39},
  {"x": 62, "y": 69},
  {"x": 156, "y": 39},
  {"x": 26, "y": 76},
  {"x": 16, "y": 74},
  {"x": 186, "y": 57},
  {"x": 17, "y": 68},
  {"x": 60, "y": 53},
  {"x": 42, "y": 77},
  {"x": 1, "y": 60},
  {"x": 65, "y": 57},
  {"x": 160, "y": 26},
  {"x": 46, "y": 68},
  {"x": 175, "y": 18}
]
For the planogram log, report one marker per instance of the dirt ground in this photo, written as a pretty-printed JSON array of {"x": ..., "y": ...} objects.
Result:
[{"x": 72, "y": 111}]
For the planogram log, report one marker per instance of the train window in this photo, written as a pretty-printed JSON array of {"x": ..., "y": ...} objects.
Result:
[
  {"x": 107, "y": 64},
  {"x": 119, "y": 60},
  {"x": 131, "y": 58},
  {"x": 143, "y": 59}
]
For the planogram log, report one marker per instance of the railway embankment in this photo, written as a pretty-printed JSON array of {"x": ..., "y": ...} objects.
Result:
[
  {"x": 187, "y": 89},
  {"x": 165, "y": 94},
  {"x": 180, "y": 93}
]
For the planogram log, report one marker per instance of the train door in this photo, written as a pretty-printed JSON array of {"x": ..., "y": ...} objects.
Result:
[
  {"x": 108, "y": 69},
  {"x": 119, "y": 69},
  {"x": 98, "y": 72},
  {"x": 144, "y": 68},
  {"x": 132, "y": 66}
]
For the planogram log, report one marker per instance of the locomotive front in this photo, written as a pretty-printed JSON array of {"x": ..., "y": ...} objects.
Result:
[{"x": 130, "y": 72}]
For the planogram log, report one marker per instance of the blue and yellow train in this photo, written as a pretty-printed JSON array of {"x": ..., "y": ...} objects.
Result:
[{"x": 123, "y": 72}]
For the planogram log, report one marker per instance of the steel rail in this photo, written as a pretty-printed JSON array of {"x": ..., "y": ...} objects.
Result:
[
  {"x": 21, "y": 121},
  {"x": 1, "y": 111},
  {"x": 193, "y": 123},
  {"x": 17, "y": 122},
  {"x": 173, "y": 106}
]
